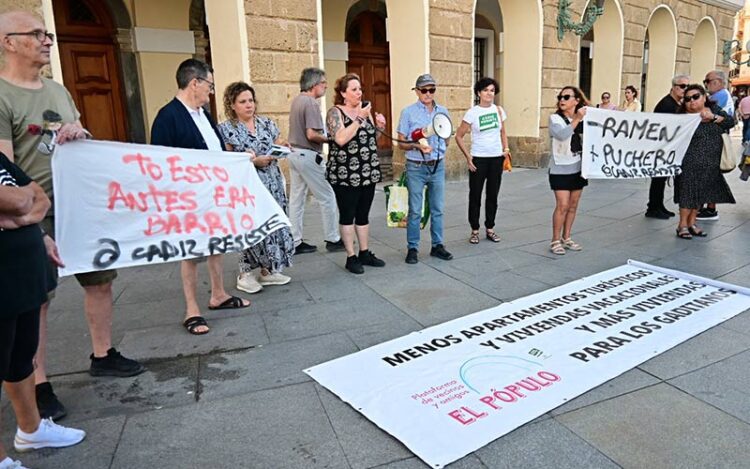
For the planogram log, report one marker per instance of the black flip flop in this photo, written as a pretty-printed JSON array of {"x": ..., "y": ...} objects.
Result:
[
  {"x": 193, "y": 323},
  {"x": 232, "y": 302}
]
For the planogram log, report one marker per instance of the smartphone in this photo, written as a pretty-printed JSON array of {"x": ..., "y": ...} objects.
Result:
[{"x": 365, "y": 104}]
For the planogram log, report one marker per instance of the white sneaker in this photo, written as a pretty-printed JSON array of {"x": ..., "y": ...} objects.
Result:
[
  {"x": 48, "y": 435},
  {"x": 247, "y": 283},
  {"x": 8, "y": 463},
  {"x": 274, "y": 279}
]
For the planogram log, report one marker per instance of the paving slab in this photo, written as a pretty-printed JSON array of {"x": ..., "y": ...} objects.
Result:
[
  {"x": 663, "y": 427},
  {"x": 95, "y": 451},
  {"x": 281, "y": 428},
  {"x": 538, "y": 445},
  {"x": 724, "y": 385}
]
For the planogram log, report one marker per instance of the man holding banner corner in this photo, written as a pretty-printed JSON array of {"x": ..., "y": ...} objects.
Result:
[
  {"x": 26, "y": 138},
  {"x": 183, "y": 123}
]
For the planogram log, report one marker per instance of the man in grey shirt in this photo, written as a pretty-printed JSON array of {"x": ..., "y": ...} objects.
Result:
[{"x": 306, "y": 163}]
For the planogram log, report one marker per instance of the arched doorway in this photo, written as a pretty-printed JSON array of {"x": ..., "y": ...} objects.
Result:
[
  {"x": 488, "y": 33},
  {"x": 586, "y": 63},
  {"x": 703, "y": 57},
  {"x": 91, "y": 71},
  {"x": 607, "y": 44},
  {"x": 369, "y": 58},
  {"x": 659, "y": 53},
  {"x": 199, "y": 27}
]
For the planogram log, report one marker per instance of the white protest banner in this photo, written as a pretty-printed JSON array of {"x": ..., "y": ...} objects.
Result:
[
  {"x": 450, "y": 389},
  {"x": 624, "y": 145},
  {"x": 120, "y": 205}
]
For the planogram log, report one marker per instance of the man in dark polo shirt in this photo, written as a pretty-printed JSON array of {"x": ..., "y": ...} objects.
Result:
[{"x": 669, "y": 104}]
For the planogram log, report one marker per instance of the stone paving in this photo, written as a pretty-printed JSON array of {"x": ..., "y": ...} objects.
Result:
[{"x": 237, "y": 398}]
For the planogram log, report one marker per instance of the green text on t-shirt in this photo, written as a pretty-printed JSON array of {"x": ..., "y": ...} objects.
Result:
[{"x": 488, "y": 122}]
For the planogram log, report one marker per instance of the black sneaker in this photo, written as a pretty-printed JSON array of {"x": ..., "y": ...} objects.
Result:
[
  {"x": 354, "y": 266},
  {"x": 708, "y": 214},
  {"x": 114, "y": 364},
  {"x": 657, "y": 214},
  {"x": 440, "y": 252},
  {"x": 304, "y": 248},
  {"x": 338, "y": 246},
  {"x": 47, "y": 403},
  {"x": 412, "y": 257},
  {"x": 368, "y": 258},
  {"x": 667, "y": 212}
]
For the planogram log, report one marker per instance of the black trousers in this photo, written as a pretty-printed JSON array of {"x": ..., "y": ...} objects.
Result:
[
  {"x": 19, "y": 338},
  {"x": 656, "y": 194},
  {"x": 489, "y": 170}
]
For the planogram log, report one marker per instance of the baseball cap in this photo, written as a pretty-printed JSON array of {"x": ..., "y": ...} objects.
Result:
[{"x": 424, "y": 80}]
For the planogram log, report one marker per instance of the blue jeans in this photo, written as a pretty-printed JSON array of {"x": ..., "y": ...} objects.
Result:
[
  {"x": 417, "y": 177},
  {"x": 745, "y": 130}
]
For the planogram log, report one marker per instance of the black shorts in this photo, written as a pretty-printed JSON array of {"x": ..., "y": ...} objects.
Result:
[
  {"x": 19, "y": 338},
  {"x": 354, "y": 204},
  {"x": 567, "y": 182}
]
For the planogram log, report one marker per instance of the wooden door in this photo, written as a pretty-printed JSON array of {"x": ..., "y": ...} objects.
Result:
[
  {"x": 91, "y": 71},
  {"x": 369, "y": 58}
]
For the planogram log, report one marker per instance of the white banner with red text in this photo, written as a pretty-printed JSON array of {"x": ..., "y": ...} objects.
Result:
[
  {"x": 121, "y": 205},
  {"x": 626, "y": 145},
  {"x": 450, "y": 389}
]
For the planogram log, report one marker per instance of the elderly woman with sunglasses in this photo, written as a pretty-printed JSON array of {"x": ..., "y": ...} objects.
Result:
[
  {"x": 701, "y": 180},
  {"x": 606, "y": 103},
  {"x": 566, "y": 131}
]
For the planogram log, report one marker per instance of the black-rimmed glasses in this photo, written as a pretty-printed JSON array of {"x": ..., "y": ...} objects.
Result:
[
  {"x": 681, "y": 86},
  {"x": 211, "y": 85},
  {"x": 38, "y": 34},
  {"x": 427, "y": 90},
  {"x": 693, "y": 97}
]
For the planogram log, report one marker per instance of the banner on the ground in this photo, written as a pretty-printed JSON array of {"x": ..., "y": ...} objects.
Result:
[
  {"x": 120, "y": 205},
  {"x": 450, "y": 389},
  {"x": 626, "y": 145}
]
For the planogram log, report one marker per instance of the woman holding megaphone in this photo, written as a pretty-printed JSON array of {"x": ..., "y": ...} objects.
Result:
[
  {"x": 353, "y": 167},
  {"x": 489, "y": 148}
]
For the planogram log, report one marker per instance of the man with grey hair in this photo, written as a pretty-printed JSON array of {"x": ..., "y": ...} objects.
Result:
[
  {"x": 716, "y": 85},
  {"x": 669, "y": 104},
  {"x": 28, "y": 103},
  {"x": 306, "y": 163}
]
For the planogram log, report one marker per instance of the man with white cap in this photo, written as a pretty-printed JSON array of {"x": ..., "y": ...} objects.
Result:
[{"x": 424, "y": 167}]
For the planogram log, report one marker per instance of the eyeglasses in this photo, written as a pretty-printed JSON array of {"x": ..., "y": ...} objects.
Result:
[
  {"x": 211, "y": 85},
  {"x": 707, "y": 81},
  {"x": 605, "y": 97},
  {"x": 564, "y": 97},
  {"x": 693, "y": 97},
  {"x": 38, "y": 34},
  {"x": 427, "y": 90},
  {"x": 682, "y": 86}
]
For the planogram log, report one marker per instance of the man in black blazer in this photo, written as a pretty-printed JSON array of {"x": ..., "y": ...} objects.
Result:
[{"x": 183, "y": 123}]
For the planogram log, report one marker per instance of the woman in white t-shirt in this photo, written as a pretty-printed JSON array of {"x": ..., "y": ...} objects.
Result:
[{"x": 489, "y": 148}]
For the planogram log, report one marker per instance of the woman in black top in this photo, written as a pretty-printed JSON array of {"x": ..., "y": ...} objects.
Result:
[
  {"x": 24, "y": 283},
  {"x": 353, "y": 167}
]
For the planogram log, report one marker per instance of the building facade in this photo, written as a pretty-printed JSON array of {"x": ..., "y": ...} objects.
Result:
[{"x": 118, "y": 57}]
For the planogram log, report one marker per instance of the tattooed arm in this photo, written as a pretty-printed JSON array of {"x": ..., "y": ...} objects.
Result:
[{"x": 338, "y": 132}]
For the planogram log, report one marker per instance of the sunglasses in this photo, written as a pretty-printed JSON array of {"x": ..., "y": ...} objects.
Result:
[
  {"x": 427, "y": 90},
  {"x": 692, "y": 97},
  {"x": 706, "y": 82},
  {"x": 564, "y": 97},
  {"x": 681, "y": 86},
  {"x": 605, "y": 97}
]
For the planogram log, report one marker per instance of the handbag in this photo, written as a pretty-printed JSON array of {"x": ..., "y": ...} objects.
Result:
[
  {"x": 728, "y": 154},
  {"x": 397, "y": 204}
]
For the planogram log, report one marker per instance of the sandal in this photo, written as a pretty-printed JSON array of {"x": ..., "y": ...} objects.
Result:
[
  {"x": 232, "y": 302},
  {"x": 193, "y": 323},
  {"x": 572, "y": 245},
  {"x": 683, "y": 232},
  {"x": 556, "y": 247},
  {"x": 474, "y": 238},
  {"x": 492, "y": 236},
  {"x": 695, "y": 231}
]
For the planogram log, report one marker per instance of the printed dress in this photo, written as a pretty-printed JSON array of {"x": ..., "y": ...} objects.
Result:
[
  {"x": 276, "y": 250},
  {"x": 701, "y": 180},
  {"x": 356, "y": 164}
]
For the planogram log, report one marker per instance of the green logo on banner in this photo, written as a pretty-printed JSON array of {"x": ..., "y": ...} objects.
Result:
[{"x": 488, "y": 121}]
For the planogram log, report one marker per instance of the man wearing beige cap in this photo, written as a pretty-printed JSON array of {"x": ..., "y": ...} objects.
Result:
[{"x": 424, "y": 167}]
